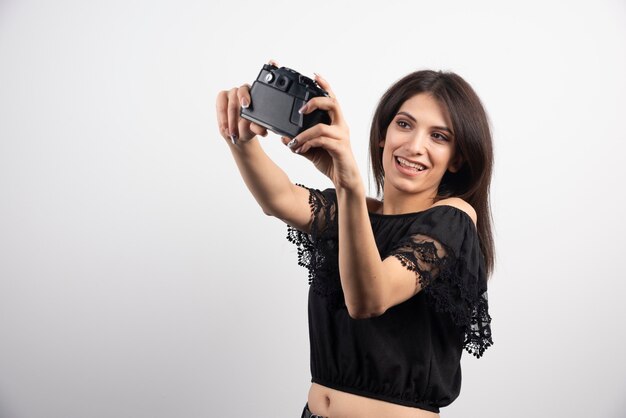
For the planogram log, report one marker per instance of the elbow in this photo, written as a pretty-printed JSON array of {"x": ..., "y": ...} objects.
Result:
[
  {"x": 268, "y": 211},
  {"x": 365, "y": 307},
  {"x": 363, "y": 312}
]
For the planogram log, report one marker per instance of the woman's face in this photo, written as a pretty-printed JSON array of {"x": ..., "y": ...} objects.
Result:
[{"x": 419, "y": 147}]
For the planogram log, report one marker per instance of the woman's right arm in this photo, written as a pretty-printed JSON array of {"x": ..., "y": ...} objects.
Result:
[{"x": 267, "y": 182}]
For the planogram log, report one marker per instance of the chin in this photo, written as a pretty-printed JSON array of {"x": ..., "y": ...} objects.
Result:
[{"x": 409, "y": 186}]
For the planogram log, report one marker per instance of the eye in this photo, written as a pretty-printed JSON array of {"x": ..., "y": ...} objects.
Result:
[
  {"x": 439, "y": 136},
  {"x": 403, "y": 124}
]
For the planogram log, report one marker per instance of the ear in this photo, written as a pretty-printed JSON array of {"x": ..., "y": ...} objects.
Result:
[
  {"x": 456, "y": 163},
  {"x": 382, "y": 144}
]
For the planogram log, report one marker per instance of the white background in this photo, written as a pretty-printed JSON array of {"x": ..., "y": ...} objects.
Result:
[{"x": 138, "y": 276}]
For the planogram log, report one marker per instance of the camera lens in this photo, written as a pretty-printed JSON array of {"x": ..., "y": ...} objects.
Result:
[{"x": 281, "y": 82}]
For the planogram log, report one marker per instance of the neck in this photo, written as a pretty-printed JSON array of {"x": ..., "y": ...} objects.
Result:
[{"x": 397, "y": 202}]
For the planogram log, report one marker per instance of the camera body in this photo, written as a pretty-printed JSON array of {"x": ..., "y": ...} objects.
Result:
[{"x": 277, "y": 95}]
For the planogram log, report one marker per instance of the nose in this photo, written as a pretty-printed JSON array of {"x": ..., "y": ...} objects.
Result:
[{"x": 418, "y": 143}]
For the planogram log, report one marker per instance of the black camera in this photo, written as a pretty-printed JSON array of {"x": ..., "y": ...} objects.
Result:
[{"x": 277, "y": 95}]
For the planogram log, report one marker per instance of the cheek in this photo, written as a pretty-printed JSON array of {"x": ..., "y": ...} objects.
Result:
[
  {"x": 385, "y": 160},
  {"x": 443, "y": 157},
  {"x": 386, "y": 151}
]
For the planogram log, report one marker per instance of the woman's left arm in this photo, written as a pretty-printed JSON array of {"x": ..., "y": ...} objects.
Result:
[{"x": 370, "y": 285}]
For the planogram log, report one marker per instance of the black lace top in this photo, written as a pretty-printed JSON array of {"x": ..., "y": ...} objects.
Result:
[{"x": 411, "y": 354}]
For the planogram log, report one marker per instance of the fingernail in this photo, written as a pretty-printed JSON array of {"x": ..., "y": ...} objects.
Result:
[
  {"x": 317, "y": 75},
  {"x": 292, "y": 143},
  {"x": 302, "y": 109},
  {"x": 244, "y": 103},
  {"x": 233, "y": 139}
]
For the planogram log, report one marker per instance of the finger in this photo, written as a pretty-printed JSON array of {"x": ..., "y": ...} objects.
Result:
[
  {"x": 258, "y": 129},
  {"x": 233, "y": 114},
  {"x": 285, "y": 140},
  {"x": 320, "y": 102},
  {"x": 243, "y": 96},
  {"x": 243, "y": 128},
  {"x": 316, "y": 131},
  {"x": 329, "y": 104},
  {"x": 324, "y": 84},
  {"x": 325, "y": 142},
  {"x": 272, "y": 62},
  {"x": 221, "y": 106}
]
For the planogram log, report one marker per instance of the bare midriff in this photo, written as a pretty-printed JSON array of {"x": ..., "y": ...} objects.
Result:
[{"x": 333, "y": 403}]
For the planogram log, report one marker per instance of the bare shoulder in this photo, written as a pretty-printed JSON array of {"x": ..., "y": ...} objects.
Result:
[{"x": 459, "y": 203}]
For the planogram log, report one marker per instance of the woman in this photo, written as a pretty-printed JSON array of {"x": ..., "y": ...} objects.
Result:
[{"x": 398, "y": 286}]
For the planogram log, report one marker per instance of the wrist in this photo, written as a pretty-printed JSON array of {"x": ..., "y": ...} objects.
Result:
[
  {"x": 351, "y": 192},
  {"x": 241, "y": 147},
  {"x": 349, "y": 181}
]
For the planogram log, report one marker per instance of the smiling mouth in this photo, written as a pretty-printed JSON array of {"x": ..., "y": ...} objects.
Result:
[{"x": 409, "y": 165}]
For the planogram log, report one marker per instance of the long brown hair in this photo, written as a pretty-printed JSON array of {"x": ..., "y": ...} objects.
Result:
[{"x": 473, "y": 142}]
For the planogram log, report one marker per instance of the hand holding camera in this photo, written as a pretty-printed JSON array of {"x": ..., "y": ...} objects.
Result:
[
  {"x": 232, "y": 127},
  {"x": 303, "y": 111},
  {"x": 272, "y": 103},
  {"x": 278, "y": 95},
  {"x": 328, "y": 145}
]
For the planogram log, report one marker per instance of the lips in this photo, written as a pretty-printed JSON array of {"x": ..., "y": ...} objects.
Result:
[{"x": 409, "y": 165}]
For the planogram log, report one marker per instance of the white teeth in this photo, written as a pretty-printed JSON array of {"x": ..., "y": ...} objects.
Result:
[{"x": 406, "y": 163}]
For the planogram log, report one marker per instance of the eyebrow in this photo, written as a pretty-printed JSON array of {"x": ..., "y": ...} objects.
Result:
[{"x": 410, "y": 116}]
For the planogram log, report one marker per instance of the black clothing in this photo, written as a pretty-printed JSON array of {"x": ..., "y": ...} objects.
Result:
[
  {"x": 306, "y": 413},
  {"x": 410, "y": 355}
]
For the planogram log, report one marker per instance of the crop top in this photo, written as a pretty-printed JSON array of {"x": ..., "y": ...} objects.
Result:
[{"x": 411, "y": 354}]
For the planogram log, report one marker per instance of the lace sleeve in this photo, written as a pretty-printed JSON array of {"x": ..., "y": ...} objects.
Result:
[
  {"x": 318, "y": 249},
  {"x": 444, "y": 252}
]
